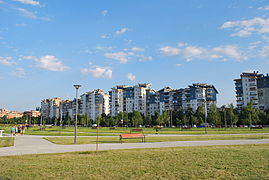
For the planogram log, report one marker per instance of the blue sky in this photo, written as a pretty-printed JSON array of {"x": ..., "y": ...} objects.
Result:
[{"x": 47, "y": 46}]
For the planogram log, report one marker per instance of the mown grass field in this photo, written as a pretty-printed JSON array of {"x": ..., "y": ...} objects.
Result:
[
  {"x": 6, "y": 141},
  {"x": 211, "y": 162},
  {"x": 92, "y": 140},
  {"x": 105, "y": 131}
]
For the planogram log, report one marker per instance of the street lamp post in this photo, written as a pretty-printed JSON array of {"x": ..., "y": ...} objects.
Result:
[
  {"x": 205, "y": 116},
  {"x": 76, "y": 120}
]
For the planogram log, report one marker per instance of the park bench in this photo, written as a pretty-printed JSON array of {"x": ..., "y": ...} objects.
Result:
[
  {"x": 132, "y": 136},
  {"x": 136, "y": 130}
]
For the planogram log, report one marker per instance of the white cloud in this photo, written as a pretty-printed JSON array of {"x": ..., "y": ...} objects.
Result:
[
  {"x": 26, "y": 13},
  {"x": 194, "y": 52},
  {"x": 264, "y": 8},
  {"x": 131, "y": 77},
  {"x": 98, "y": 72},
  {"x": 6, "y": 61},
  {"x": 264, "y": 52},
  {"x": 31, "y": 15},
  {"x": 230, "y": 51},
  {"x": 121, "y": 31},
  {"x": 122, "y": 57},
  {"x": 137, "y": 49},
  {"x": 103, "y": 48},
  {"x": 19, "y": 72},
  {"x": 21, "y": 25},
  {"x": 104, "y": 36},
  {"x": 30, "y": 2},
  {"x": 144, "y": 58},
  {"x": 246, "y": 28},
  {"x": 50, "y": 63},
  {"x": 170, "y": 51},
  {"x": 104, "y": 12}
]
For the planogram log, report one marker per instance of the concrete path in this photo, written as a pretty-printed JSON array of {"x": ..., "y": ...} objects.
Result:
[{"x": 37, "y": 145}]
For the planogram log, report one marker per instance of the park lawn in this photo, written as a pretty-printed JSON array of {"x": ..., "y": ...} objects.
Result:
[
  {"x": 106, "y": 131},
  {"x": 210, "y": 162},
  {"x": 92, "y": 140},
  {"x": 6, "y": 142}
]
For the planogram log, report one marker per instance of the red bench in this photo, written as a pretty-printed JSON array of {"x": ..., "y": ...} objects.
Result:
[
  {"x": 136, "y": 130},
  {"x": 132, "y": 136}
]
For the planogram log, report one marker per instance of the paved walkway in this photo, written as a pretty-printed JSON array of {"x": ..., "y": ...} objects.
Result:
[{"x": 38, "y": 145}]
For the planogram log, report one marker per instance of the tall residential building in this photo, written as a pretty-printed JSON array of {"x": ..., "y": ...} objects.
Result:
[
  {"x": 252, "y": 87},
  {"x": 199, "y": 94},
  {"x": 94, "y": 103},
  {"x": 50, "y": 108},
  {"x": 195, "y": 95},
  {"x": 129, "y": 99}
]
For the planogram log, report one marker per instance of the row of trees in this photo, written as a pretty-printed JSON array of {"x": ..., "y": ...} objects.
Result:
[{"x": 224, "y": 116}]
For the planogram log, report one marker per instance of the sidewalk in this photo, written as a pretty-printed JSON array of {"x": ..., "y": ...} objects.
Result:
[{"x": 38, "y": 145}]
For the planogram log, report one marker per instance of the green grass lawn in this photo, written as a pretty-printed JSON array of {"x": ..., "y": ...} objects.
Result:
[
  {"x": 105, "y": 131},
  {"x": 91, "y": 140},
  {"x": 6, "y": 141},
  {"x": 211, "y": 162}
]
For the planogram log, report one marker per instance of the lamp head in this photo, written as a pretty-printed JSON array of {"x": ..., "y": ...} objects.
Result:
[{"x": 77, "y": 86}]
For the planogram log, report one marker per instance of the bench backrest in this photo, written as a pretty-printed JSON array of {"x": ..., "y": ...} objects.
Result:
[
  {"x": 136, "y": 130},
  {"x": 131, "y": 135}
]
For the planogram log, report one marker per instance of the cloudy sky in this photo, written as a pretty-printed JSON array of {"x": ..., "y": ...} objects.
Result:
[{"x": 47, "y": 46}]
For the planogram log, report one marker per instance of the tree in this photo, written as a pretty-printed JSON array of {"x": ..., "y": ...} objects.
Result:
[
  {"x": 148, "y": 120},
  {"x": 213, "y": 115},
  {"x": 263, "y": 117},
  {"x": 250, "y": 114},
  {"x": 200, "y": 114},
  {"x": 166, "y": 117},
  {"x": 231, "y": 115},
  {"x": 137, "y": 118},
  {"x": 189, "y": 114}
]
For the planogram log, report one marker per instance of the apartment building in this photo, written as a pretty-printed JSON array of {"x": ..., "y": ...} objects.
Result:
[
  {"x": 50, "y": 108},
  {"x": 252, "y": 87},
  {"x": 129, "y": 98},
  {"x": 32, "y": 113},
  {"x": 201, "y": 94},
  {"x": 94, "y": 103}
]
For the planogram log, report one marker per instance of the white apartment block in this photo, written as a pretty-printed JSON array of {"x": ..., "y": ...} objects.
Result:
[
  {"x": 252, "y": 87},
  {"x": 129, "y": 99},
  {"x": 50, "y": 108},
  {"x": 94, "y": 103}
]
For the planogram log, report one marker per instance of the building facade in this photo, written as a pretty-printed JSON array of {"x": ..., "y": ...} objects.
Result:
[
  {"x": 94, "y": 103},
  {"x": 50, "y": 108},
  {"x": 252, "y": 87}
]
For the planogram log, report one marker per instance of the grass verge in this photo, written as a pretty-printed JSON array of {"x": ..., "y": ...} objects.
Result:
[
  {"x": 6, "y": 141},
  {"x": 91, "y": 140},
  {"x": 212, "y": 162}
]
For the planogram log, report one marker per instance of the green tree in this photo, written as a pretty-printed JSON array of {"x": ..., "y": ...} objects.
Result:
[
  {"x": 148, "y": 120},
  {"x": 200, "y": 114},
  {"x": 250, "y": 114},
  {"x": 231, "y": 115},
  {"x": 137, "y": 118},
  {"x": 214, "y": 115}
]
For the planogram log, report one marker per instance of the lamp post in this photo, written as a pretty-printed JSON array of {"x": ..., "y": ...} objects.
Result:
[
  {"x": 205, "y": 116},
  {"x": 76, "y": 120},
  {"x": 61, "y": 118}
]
